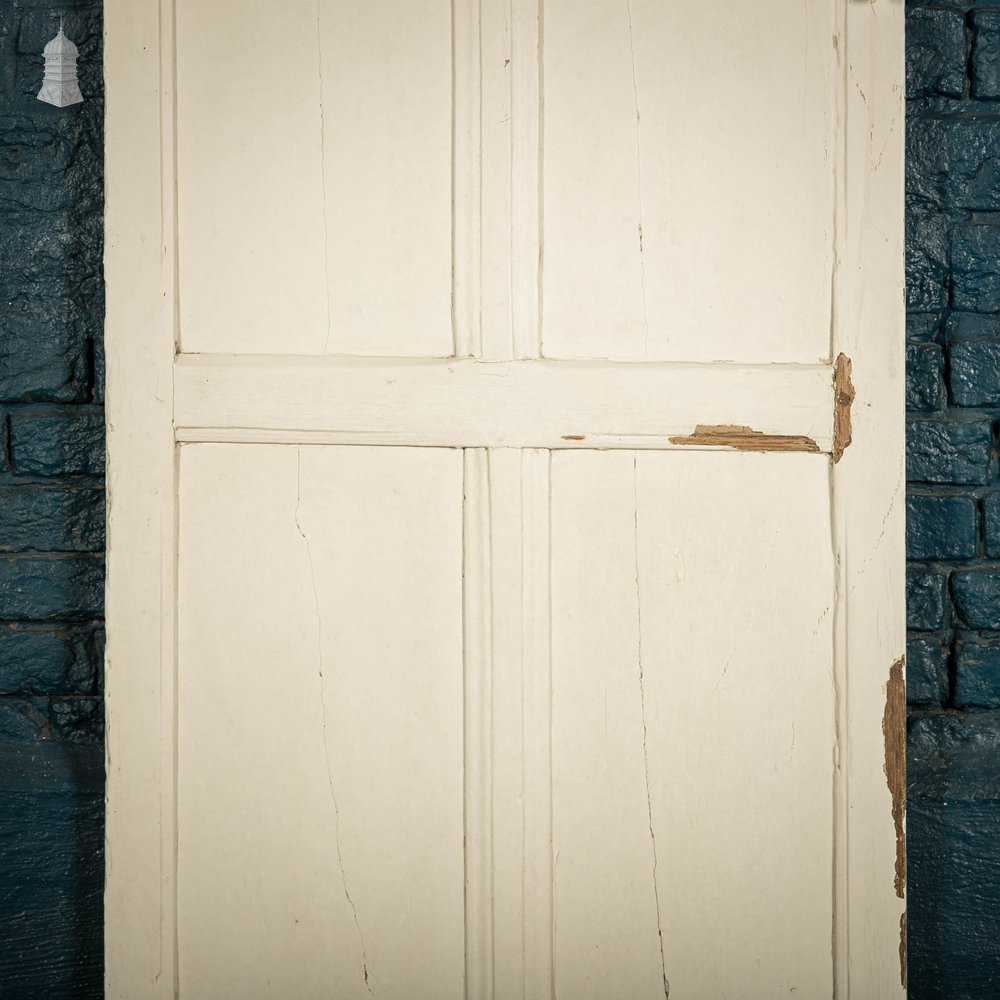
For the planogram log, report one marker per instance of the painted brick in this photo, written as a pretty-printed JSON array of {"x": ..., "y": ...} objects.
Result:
[
  {"x": 953, "y": 163},
  {"x": 977, "y": 597},
  {"x": 33, "y": 165},
  {"x": 43, "y": 350},
  {"x": 928, "y": 259},
  {"x": 974, "y": 373},
  {"x": 986, "y": 55},
  {"x": 941, "y": 527},
  {"x": 923, "y": 328},
  {"x": 936, "y": 52},
  {"x": 40, "y": 588},
  {"x": 51, "y": 832},
  {"x": 926, "y": 597},
  {"x": 975, "y": 259},
  {"x": 991, "y": 523},
  {"x": 926, "y": 670},
  {"x": 977, "y": 673},
  {"x": 961, "y": 327},
  {"x": 924, "y": 377},
  {"x": 945, "y": 451},
  {"x": 51, "y": 519},
  {"x": 953, "y": 828},
  {"x": 57, "y": 442},
  {"x": 40, "y": 659},
  {"x": 51, "y": 328}
]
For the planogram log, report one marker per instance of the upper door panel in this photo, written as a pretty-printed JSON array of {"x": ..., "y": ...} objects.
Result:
[
  {"x": 688, "y": 180},
  {"x": 314, "y": 177}
]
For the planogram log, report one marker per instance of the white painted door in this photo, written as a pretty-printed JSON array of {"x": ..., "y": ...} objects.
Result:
[{"x": 504, "y": 593}]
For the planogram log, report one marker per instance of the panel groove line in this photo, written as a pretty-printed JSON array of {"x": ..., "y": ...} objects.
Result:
[
  {"x": 508, "y": 794},
  {"x": 496, "y": 179}
]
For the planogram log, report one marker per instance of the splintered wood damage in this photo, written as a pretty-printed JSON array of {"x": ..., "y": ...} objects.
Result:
[
  {"x": 744, "y": 438},
  {"x": 894, "y": 732},
  {"x": 843, "y": 399},
  {"x": 902, "y": 948}
]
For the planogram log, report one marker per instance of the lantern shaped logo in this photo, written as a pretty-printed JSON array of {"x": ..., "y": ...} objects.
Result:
[{"x": 60, "y": 85}]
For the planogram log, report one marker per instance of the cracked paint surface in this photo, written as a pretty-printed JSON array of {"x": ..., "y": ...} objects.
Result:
[
  {"x": 645, "y": 731},
  {"x": 638, "y": 167},
  {"x": 323, "y": 706}
]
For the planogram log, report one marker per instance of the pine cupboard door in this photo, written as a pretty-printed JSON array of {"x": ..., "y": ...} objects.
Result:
[{"x": 505, "y": 433}]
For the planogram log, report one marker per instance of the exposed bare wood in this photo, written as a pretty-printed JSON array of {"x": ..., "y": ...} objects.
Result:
[
  {"x": 894, "y": 732},
  {"x": 743, "y": 438},
  {"x": 902, "y": 949},
  {"x": 844, "y": 393}
]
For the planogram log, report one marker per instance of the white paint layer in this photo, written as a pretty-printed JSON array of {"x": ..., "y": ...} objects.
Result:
[
  {"x": 584, "y": 709},
  {"x": 320, "y": 754},
  {"x": 474, "y": 404},
  {"x": 314, "y": 171},
  {"x": 693, "y": 725},
  {"x": 688, "y": 180}
]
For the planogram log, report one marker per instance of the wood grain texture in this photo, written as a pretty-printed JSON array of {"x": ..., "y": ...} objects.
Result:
[
  {"x": 336, "y": 118},
  {"x": 844, "y": 395},
  {"x": 742, "y": 438},
  {"x": 338, "y": 855},
  {"x": 673, "y": 753},
  {"x": 894, "y": 734},
  {"x": 540, "y": 404},
  {"x": 671, "y": 223}
]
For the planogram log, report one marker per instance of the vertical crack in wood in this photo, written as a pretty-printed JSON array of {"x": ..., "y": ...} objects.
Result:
[
  {"x": 638, "y": 164},
  {"x": 843, "y": 399},
  {"x": 645, "y": 731},
  {"x": 322, "y": 699},
  {"x": 894, "y": 733}
]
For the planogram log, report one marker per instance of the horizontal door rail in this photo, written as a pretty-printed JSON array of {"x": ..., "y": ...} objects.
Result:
[{"x": 465, "y": 403}]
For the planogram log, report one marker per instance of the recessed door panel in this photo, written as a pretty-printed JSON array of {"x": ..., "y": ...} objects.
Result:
[
  {"x": 687, "y": 181},
  {"x": 320, "y": 790},
  {"x": 693, "y": 725},
  {"x": 314, "y": 177}
]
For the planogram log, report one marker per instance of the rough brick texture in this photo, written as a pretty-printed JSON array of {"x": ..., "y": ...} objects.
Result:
[
  {"x": 953, "y": 506},
  {"x": 51, "y": 512},
  {"x": 941, "y": 527}
]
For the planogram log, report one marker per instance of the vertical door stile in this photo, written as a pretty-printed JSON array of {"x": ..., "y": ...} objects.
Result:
[
  {"x": 536, "y": 666},
  {"x": 498, "y": 171},
  {"x": 526, "y": 156},
  {"x": 507, "y": 554},
  {"x": 141, "y": 669},
  {"x": 841, "y": 799},
  {"x": 478, "y": 655},
  {"x": 466, "y": 179},
  {"x": 506, "y": 529},
  {"x": 868, "y": 492}
]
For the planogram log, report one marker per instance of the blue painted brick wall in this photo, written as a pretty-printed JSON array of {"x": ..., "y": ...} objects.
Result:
[
  {"x": 953, "y": 504},
  {"x": 51, "y": 512}
]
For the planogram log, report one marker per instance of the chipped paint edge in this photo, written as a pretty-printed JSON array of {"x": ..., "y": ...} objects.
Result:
[
  {"x": 739, "y": 437},
  {"x": 844, "y": 395},
  {"x": 894, "y": 732}
]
